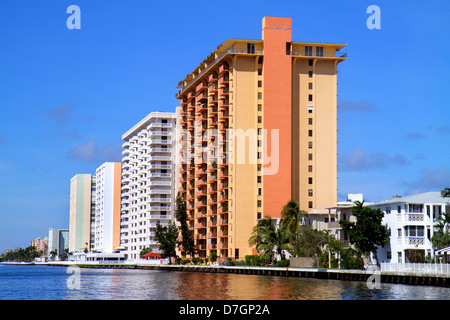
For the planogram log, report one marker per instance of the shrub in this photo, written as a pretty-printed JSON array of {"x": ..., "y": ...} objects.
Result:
[
  {"x": 257, "y": 260},
  {"x": 284, "y": 263}
]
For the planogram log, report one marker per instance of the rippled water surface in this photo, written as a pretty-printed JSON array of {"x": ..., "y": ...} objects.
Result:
[{"x": 61, "y": 283}]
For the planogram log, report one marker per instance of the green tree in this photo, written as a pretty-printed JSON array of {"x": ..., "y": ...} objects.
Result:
[
  {"x": 168, "y": 239},
  {"x": 367, "y": 232},
  {"x": 309, "y": 243},
  {"x": 441, "y": 237},
  {"x": 270, "y": 239},
  {"x": 292, "y": 216},
  {"x": 445, "y": 192},
  {"x": 187, "y": 238},
  {"x": 145, "y": 251}
]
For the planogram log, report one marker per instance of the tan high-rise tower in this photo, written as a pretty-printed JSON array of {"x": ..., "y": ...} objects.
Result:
[{"x": 258, "y": 125}]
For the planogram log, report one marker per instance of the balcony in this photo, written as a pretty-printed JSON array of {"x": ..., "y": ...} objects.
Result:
[
  {"x": 160, "y": 133},
  {"x": 326, "y": 54},
  {"x": 224, "y": 68},
  {"x": 160, "y": 125},
  {"x": 156, "y": 149}
]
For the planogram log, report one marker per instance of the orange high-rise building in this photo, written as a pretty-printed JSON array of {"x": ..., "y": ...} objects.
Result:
[{"x": 257, "y": 125}]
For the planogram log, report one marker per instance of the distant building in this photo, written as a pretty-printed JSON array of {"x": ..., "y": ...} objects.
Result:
[
  {"x": 342, "y": 211},
  {"x": 58, "y": 240},
  {"x": 148, "y": 176},
  {"x": 106, "y": 230},
  {"x": 82, "y": 212},
  {"x": 40, "y": 244},
  {"x": 95, "y": 202}
]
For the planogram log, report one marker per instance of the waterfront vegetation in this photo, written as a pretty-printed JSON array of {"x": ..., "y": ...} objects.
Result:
[{"x": 21, "y": 255}]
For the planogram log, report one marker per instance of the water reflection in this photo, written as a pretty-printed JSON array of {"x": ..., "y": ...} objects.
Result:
[{"x": 108, "y": 284}]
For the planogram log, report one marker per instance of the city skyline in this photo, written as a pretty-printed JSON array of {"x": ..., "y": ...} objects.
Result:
[{"x": 79, "y": 91}]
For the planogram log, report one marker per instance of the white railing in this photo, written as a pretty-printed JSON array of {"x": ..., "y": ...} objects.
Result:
[{"x": 417, "y": 268}]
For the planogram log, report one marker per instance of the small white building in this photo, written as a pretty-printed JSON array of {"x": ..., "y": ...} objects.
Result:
[{"x": 411, "y": 220}]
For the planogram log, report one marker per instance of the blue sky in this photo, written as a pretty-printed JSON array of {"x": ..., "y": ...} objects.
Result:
[{"x": 67, "y": 96}]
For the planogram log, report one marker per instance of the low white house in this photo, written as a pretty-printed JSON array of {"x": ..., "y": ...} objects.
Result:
[{"x": 411, "y": 220}]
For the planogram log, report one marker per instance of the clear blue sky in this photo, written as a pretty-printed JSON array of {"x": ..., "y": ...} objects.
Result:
[{"x": 67, "y": 96}]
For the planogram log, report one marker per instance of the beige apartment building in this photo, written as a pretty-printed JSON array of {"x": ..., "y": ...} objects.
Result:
[{"x": 258, "y": 127}]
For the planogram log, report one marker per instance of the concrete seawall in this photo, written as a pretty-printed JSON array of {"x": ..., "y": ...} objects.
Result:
[{"x": 330, "y": 274}]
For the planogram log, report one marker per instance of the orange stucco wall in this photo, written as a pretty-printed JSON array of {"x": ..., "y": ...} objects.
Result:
[{"x": 277, "y": 77}]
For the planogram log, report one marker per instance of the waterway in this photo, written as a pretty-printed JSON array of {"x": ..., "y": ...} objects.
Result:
[{"x": 41, "y": 282}]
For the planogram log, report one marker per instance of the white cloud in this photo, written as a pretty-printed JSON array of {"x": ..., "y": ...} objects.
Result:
[
  {"x": 358, "y": 159},
  {"x": 363, "y": 106},
  {"x": 430, "y": 180},
  {"x": 92, "y": 152}
]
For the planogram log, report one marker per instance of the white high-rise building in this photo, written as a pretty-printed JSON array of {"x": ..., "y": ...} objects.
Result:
[
  {"x": 107, "y": 207},
  {"x": 148, "y": 176}
]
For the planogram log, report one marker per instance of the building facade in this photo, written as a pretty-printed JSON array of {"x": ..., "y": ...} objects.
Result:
[
  {"x": 258, "y": 124},
  {"x": 108, "y": 182},
  {"x": 40, "y": 244},
  {"x": 82, "y": 213},
  {"x": 58, "y": 241},
  {"x": 412, "y": 221},
  {"x": 148, "y": 175}
]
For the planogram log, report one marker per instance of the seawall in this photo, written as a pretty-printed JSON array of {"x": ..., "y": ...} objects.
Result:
[{"x": 330, "y": 274}]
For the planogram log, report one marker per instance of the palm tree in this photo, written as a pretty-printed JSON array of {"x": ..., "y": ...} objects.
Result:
[
  {"x": 441, "y": 237},
  {"x": 270, "y": 239},
  {"x": 292, "y": 216}
]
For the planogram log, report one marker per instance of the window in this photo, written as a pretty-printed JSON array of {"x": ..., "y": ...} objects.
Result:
[
  {"x": 259, "y": 167},
  {"x": 259, "y": 203},
  {"x": 310, "y": 133},
  {"x": 310, "y": 109},
  {"x": 259, "y": 95},
  {"x": 310, "y": 144},
  {"x": 259, "y": 215},
  {"x": 414, "y": 231},
  {"x": 310, "y": 86},
  {"x": 259, "y": 119},
  {"x": 399, "y": 233},
  {"x": 250, "y": 48},
  {"x": 310, "y": 180},
  {"x": 388, "y": 210},
  {"x": 259, "y": 179},
  {"x": 310, "y": 121},
  {"x": 310, "y": 192},
  {"x": 310, "y": 168},
  {"x": 310, "y": 204},
  {"x": 416, "y": 208},
  {"x": 288, "y": 48},
  {"x": 259, "y": 191},
  {"x": 308, "y": 51},
  {"x": 310, "y": 97},
  {"x": 259, "y": 84},
  {"x": 260, "y": 60},
  {"x": 259, "y": 131},
  {"x": 319, "y": 51},
  {"x": 310, "y": 74},
  {"x": 310, "y": 62},
  {"x": 259, "y": 143},
  {"x": 260, "y": 72},
  {"x": 259, "y": 107},
  {"x": 310, "y": 156}
]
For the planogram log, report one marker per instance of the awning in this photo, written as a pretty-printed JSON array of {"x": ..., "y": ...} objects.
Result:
[
  {"x": 442, "y": 251},
  {"x": 151, "y": 255}
]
